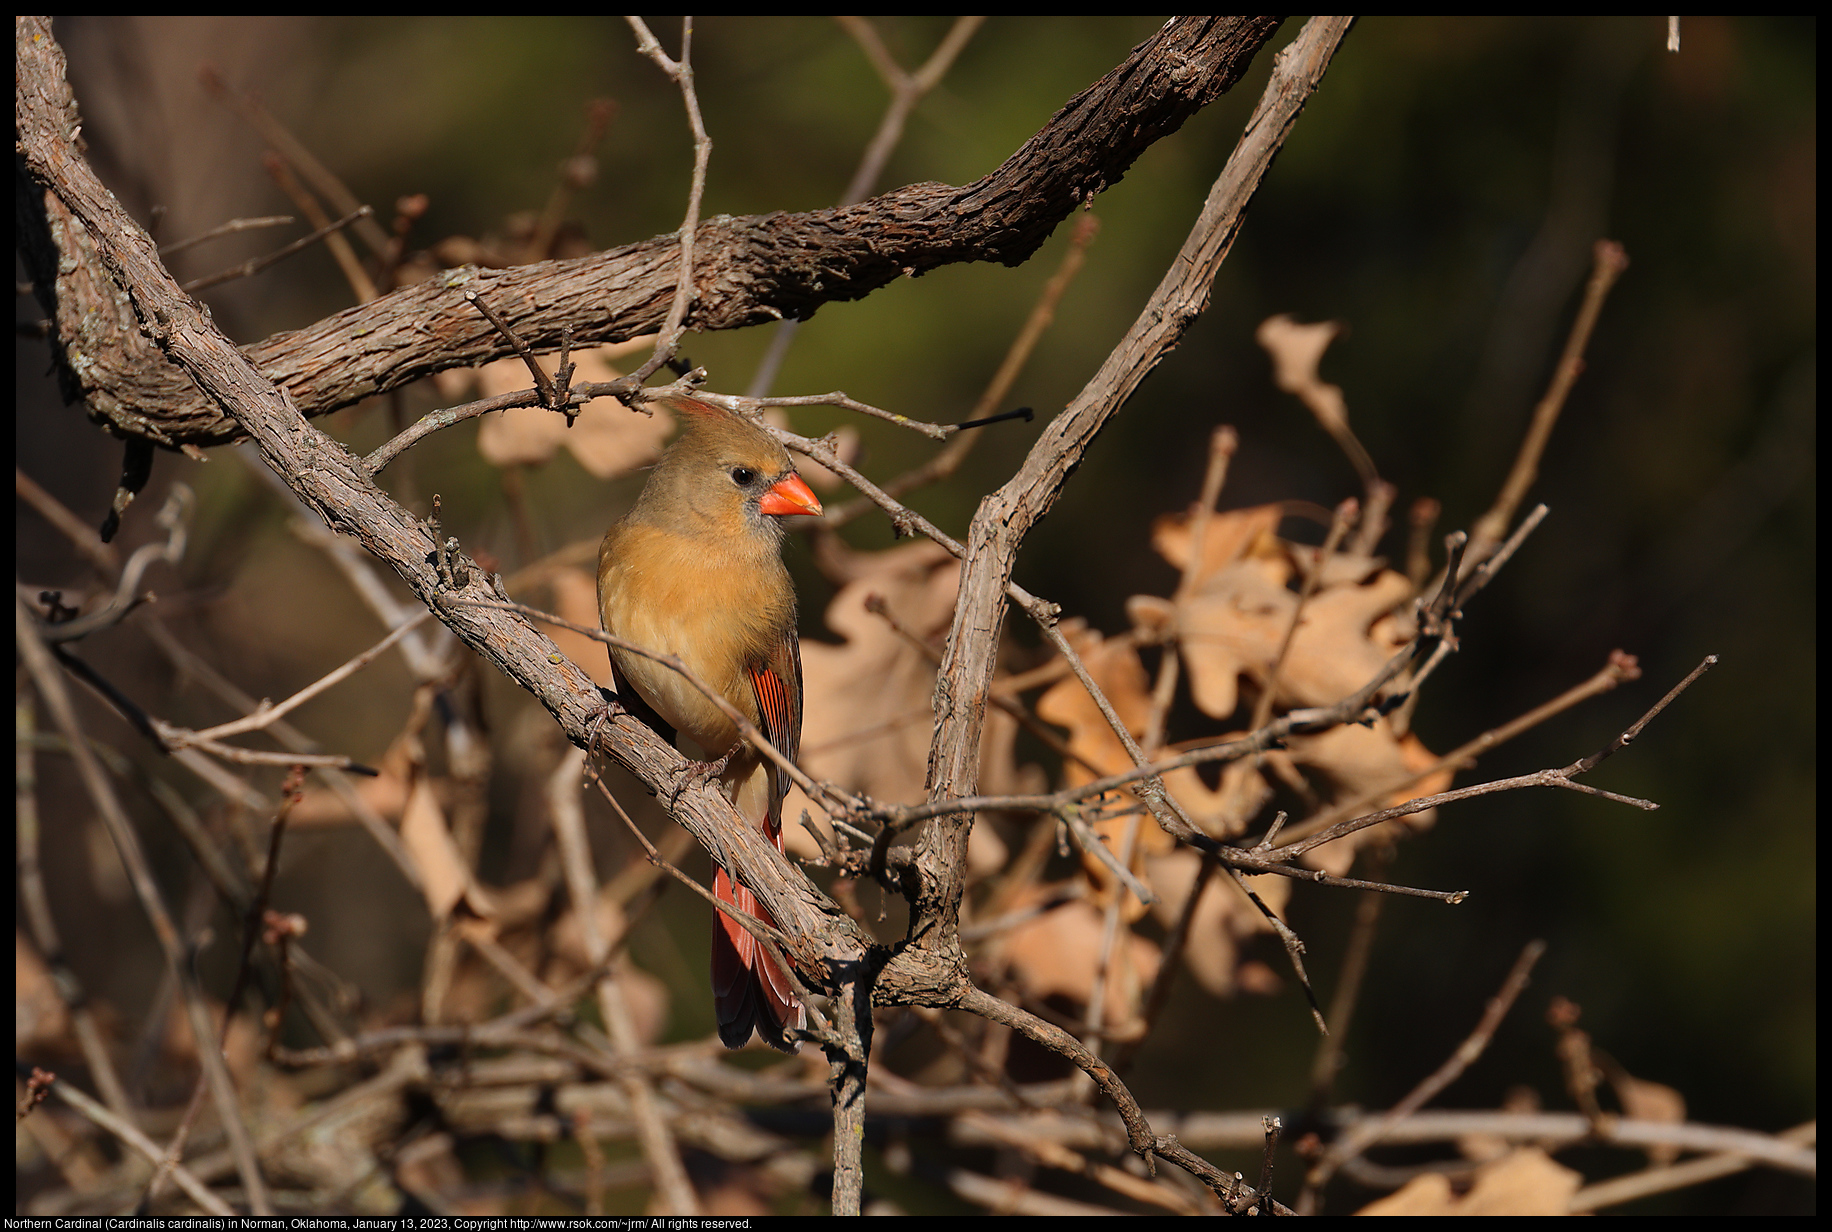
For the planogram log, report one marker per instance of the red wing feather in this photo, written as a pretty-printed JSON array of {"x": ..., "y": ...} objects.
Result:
[
  {"x": 777, "y": 683},
  {"x": 749, "y": 991}
]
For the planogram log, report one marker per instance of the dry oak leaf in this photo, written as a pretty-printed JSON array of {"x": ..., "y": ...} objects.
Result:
[
  {"x": 1234, "y": 622},
  {"x": 1223, "y": 918},
  {"x": 1524, "y": 1182},
  {"x": 1057, "y": 953},
  {"x": 1296, "y": 352},
  {"x": 1226, "y": 811},
  {"x": 1367, "y": 765},
  {"x": 1650, "y": 1101},
  {"x": 606, "y": 438},
  {"x": 1238, "y": 607},
  {"x": 1226, "y": 537},
  {"x": 868, "y": 717},
  {"x": 385, "y": 791},
  {"x": 1222, "y": 914},
  {"x": 445, "y": 878},
  {"x": 1117, "y": 672},
  {"x": 40, "y": 1017},
  {"x": 1234, "y": 619}
]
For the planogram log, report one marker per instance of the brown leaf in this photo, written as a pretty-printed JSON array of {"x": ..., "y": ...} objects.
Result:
[
  {"x": 1238, "y": 611},
  {"x": 1115, "y": 668},
  {"x": 1368, "y": 764},
  {"x": 868, "y": 720},
  {"x": 445, "y": 879},
  {"x": 40, "y": 1017},
  {"x": 606, "y": 438},
  {"x": 1056, "y": 954},
  {"x": 1226, "y": 537},
  {"x": 1224, "y": 812},
  {"x": 1235, "y": 621},
  {"x": 1230, "y": 625},
  {"x": 1296, "y": 351},
  {"x": 385, "y": 791},
  {"x": 1525, "y": 1182},
  {"x": 1650, "y": 1101},
  {"x": 1335, "y": 650},
  {"x": 1223, "y": 916}
]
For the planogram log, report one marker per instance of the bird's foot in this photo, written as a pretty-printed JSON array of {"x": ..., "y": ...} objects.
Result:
[
  {"x": 594, "y": 726},
  {"x": 701, "y": 772}
]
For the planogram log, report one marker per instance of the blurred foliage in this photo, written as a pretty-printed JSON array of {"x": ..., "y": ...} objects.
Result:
[{"x": 1439, "y": 197}]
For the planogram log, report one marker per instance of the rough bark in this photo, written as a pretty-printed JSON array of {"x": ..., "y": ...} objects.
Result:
[{"x": 748, "y": 271}]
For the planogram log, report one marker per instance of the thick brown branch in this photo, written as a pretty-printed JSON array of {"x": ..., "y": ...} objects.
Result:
[{"x": 748, "y": 270}]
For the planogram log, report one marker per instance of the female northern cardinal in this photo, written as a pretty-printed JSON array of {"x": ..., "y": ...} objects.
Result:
[{"x": 695, "y": 570}]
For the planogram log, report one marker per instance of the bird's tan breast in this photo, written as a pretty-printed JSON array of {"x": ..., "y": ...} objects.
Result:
[{"x": 710, "y": 605}]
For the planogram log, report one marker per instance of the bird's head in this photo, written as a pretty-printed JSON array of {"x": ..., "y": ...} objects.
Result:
[{"x": 727, "y": 474}]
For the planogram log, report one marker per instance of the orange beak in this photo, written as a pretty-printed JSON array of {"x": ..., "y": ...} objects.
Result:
[{"x": 790, "y": 497}]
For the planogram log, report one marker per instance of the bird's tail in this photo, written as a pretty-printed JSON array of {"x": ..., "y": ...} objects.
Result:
[{"x": 748, "y": 988}]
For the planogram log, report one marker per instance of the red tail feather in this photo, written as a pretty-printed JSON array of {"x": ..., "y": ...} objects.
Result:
[{"x": 748, "y": 989}]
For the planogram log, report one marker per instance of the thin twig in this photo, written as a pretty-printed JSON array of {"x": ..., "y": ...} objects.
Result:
[
  {"x": 1608, "y": 262},
  {"x": 128, "y": 1134},
  {"x": 267, "y": 712},
  {"x": 658, "y": 1142},
  {"x": 1369, "y": 1133},
  {"x": 174, "y": 518},
  {"x": 681, "y": 73},
  {"x": 50, "y": 686},
  {"x": 907, "y": 89},
  {"x": 542, "y": 382},
  {"x": 1622, "y": 667},
  {"x": 255, "y": 265},
  {"x": 1651, "y": 1181},
  {"x": 233, "y": 227}
]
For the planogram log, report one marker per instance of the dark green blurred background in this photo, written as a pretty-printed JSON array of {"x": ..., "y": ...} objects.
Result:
[{"x": 1439, "y": 196}]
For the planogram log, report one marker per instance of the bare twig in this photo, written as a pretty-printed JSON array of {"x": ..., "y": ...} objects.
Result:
[
  {"x": 681, "y": 73},
  {"x": 278, "y": 136},
  {"x": 623, "y": 293},
  {"x": 1369, "y": 1133},
  {"x": 1622, "y": 667},
  {"x": 50, "y": 686},
  {"x": 35, "y": 908},
  {"x": 100, "y": 555},
  {"x": 175, "y": 520},
  {"x": 659, "y": 1145},
  {"x": 255, "y": 265},
  {"x": 1608, "y": 263},
  {"x": 1650, "y": 1181},
  {"x": 266, "y": 713},
  {"x": 128, "y": 1134},
  {"x": 907, "y": 89},
  {"x": 233, "y": 227},
  {"x": 542, "y": 382}
]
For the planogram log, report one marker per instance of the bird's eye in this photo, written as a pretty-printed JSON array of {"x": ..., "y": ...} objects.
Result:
[{"x": 743, "y": 476}]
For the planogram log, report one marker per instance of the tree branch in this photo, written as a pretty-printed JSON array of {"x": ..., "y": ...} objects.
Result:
[{"x": 748, "y": 271}]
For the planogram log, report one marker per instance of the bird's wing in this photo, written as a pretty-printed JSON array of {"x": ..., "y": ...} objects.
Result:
[{"x": 777, "y": 682}]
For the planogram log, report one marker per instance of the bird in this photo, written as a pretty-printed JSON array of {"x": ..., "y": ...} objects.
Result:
[{"x": 695, "y": 570}]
